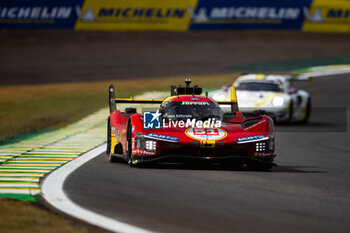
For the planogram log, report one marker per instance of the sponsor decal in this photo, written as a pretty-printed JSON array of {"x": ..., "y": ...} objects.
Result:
[
  {"x": 38, "y": 14},
  {"x": 251, "y": 138},
  {"x": 134, "y": 15},
  {"x": 206, "y": 134},
  {"x": 286, "y": 14},
  {"x": 194, "y": 103},
  {"x": 130, "y": 13},
  {"x": 53, "y": 12},
  {"x": 133, "y": 128},
  {"x": 242, "y": 12},
  {"x": 327, "y": 16},
  {"x": 143, "y": 152},
  {"x": 151, "y": 120},
  {"x": 320, "y": 15},
  {"x": 262, "y": 154},
  {"x": 162, "y": 137}
]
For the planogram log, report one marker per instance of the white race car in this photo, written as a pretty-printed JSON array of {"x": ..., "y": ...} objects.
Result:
[{"x": 269, "y": 93}]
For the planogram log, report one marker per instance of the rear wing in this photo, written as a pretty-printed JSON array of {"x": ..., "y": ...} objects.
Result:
[
  {"x": 233, "y": 100},
  {"x": 114, "y": 101}
]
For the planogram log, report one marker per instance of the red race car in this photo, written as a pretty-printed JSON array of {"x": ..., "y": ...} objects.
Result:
[{"x": 188, "y": 126}]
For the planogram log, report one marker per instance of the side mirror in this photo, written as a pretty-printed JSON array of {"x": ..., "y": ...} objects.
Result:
[{"x": 292, "y": 90}]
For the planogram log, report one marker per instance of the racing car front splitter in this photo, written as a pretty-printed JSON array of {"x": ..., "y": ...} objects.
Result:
[{"x": 239, "y": 159}]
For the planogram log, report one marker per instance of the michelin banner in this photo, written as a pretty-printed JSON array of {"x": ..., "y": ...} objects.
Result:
[
  {"x": 38, "y": 13},
  {"x": 327, "y": 16},
  {"x": 135, "y": 15},
  {"x": 249, "y": 14},
  {"x": 179, "y": 15}
]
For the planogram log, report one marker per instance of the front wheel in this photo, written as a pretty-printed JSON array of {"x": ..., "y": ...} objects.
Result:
[
  {"x": 129, "y": 152},
  {"x": 290, "y": 112},
  {"x": 308, "y": 112}
]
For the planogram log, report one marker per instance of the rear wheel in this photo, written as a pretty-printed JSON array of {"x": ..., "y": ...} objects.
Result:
[
  {"x": 308, "y": 111},
  {"x": 108, "y": 150},
  {"x": 111, "y": 158}
]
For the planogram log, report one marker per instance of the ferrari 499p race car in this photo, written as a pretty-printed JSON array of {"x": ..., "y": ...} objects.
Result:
[
  {"x": 187, "y": 126},
  {"x": 272, "y": 94}
]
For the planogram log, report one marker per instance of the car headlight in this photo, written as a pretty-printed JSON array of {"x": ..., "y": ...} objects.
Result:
[
  {"x": 143, "y": 143},
  {"x": 277, "y": 101},
  {"x": 151, "y": 145},
  {"x": 220, "y": 96}
]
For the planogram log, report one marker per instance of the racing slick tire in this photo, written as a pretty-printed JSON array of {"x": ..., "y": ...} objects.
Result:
[
  {"x": 308, "y": 112},
  {"x": 259, "y": 166},
  {"x": 129, "y": 157},
  {"x": 111, "y": 158},
  {"x": 290, "y": 112}
]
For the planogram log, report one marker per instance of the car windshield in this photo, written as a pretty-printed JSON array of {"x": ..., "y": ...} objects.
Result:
[
  {"x": 258, "y": 86},
  {"x": 177, "y": 111}
]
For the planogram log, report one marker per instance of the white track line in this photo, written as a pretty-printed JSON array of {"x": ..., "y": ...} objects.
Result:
[{"x": 52, "y": 191}]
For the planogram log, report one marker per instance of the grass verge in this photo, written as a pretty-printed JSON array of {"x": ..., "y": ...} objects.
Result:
[
  {"x": 31, "y": 108},
  {"x": 23, "y": 217}
]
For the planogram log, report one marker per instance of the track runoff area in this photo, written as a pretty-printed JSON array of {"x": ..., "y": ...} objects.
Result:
[{"x": 24, "y": 164}]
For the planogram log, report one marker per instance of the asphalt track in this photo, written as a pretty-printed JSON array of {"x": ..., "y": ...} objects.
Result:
[{"x": 308, "y": 192}]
